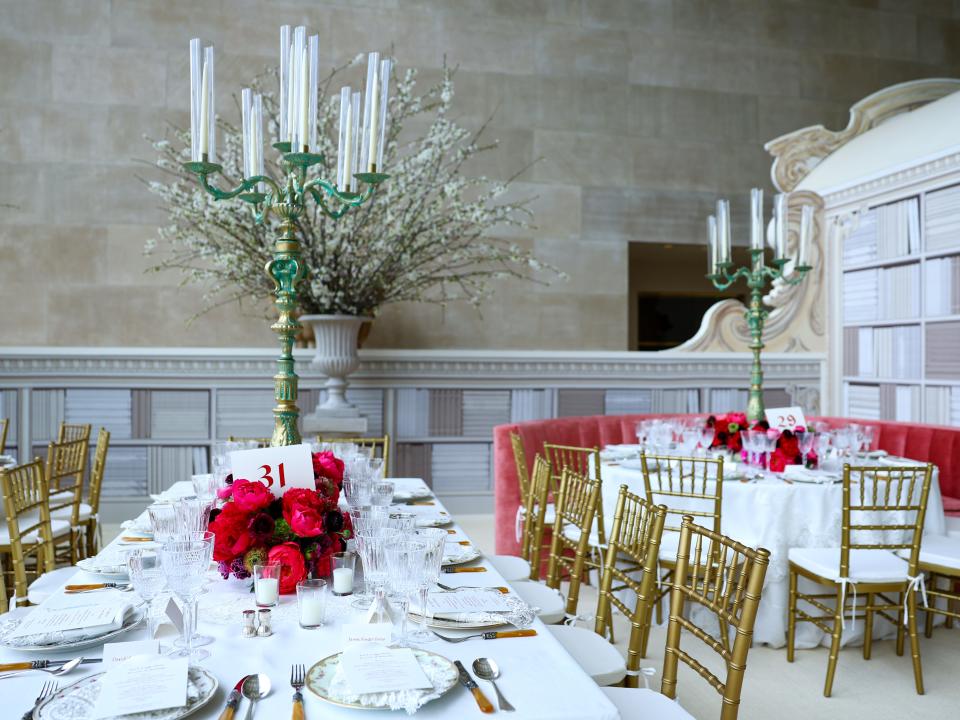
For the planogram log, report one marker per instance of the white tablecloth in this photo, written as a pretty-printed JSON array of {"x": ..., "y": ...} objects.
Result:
[
  {"x": 533, "y": 668},
  {"x": 778, "y": 516}
]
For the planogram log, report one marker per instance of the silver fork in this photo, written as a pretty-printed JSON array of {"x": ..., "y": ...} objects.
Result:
[
  {"x": 48, "y": 689},
  {"x": 297, "y": 674}
]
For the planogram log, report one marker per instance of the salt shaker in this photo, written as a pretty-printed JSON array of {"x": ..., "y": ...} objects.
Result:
[
  {"x": 263, "y": 623},
  {"x": 249, "y": 623}
]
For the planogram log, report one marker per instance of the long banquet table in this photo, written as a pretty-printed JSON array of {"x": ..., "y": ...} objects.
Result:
[
  {"x": 538, "y": 676},
  {"x": 777, "y": 515}
]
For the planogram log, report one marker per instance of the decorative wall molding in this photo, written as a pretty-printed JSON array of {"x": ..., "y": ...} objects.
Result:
[{"x": 464, "y": 368}]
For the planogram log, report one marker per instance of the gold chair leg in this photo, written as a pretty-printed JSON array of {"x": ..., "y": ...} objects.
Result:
[
  {"x": 834, "y": 645},
  {"x": 792, "y": 616},
  {"x": 929, "y": 614},
  {"x": 868, "y": 628},
  {"x": 900, "y": 626},
  {"x": 914, "y": 641},
  {"x": 91, "y": 531}
]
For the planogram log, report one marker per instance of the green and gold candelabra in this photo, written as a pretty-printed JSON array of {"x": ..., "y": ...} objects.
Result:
[
  {"x": 758, "y": 275},
  {"x": 287, "y": 200}
]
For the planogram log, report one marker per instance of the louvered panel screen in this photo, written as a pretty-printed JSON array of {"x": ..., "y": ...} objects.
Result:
[
  {"x": 482, "y": 409},
  {"x": 943, "y": 350},
  {"x": 169, "y": 465},
  {"x": 370, "y": 403},
  {"x": 46, "y": 414},
  {"x": 125, "y": 474},
  {"x": 413, "y": 410},
  {"x": 446, "y": 413},
  {"x": 575, "y": 402},
  {"x": 179, "y": 414},
  {"x": 724, "y": 400},
  {"x": 413, "y": 460},
  {"x": 863, "y": 401},
  {"x": 530, "y": 405},
  {"x": 942, "y": 221},
  {"x": 775, "y": 398},
  {"x": 245, "y": 413},
  {"x": 10, "y": 409},
  {"x": 461, "y": 467},
  {"x": 676, "y": 400},
  {"x": 628, "y": 402},
  {"x": 110, "y": 409}
]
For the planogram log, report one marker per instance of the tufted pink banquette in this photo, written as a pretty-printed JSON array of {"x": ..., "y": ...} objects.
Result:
[{"x": 930, "y": 443}]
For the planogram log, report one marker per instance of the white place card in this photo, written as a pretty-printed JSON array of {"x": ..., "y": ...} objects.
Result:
[
  {"x": 467, "y": 601},
  {"x": 142, "y": 684},
  {"x": 114, "y": 653},
  {"x": 380, "y": 633},
  {"x": 785, "y": 418},
  {"x": 42, "y": 621},
  {"x": 374, "y": 669},
  {"x": 279, "y": 468}
]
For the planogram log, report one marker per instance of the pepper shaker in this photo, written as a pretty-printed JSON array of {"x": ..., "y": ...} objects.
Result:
[
  {"x": 249, "y": 623},
  {"x": 263, "y": 623}
]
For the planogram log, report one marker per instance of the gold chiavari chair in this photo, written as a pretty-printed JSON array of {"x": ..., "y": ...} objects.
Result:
[
  {"x": 69, "y": 432},
  {"x": 940, "y": 559},
  {"x": 631, "y": 563},
  {"x": 523, "y": 484},
  {"x": 88, "y": 514},
  {"x": 27, "y": 538},
  {"x": 586, "y": 462},
  {"x": 687, "y": 486},
  {"x": 576, "y": 503},
  {"x": 66, "y": 462},
  {"x": 379, "y": 445},
  {"x": 261, "y": 442},
  {"x": 537, "y": 518},
  {"x": 4, "y": 424},
  {"x": 886, "y": 500}
]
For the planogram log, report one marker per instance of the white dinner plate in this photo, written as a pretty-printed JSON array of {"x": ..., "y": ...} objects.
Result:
[
  {"x": 133, "y": 620},
  {"x": 77, "y": 701},
  {"x": 112, "y": 571},
  {"x": 469, "y": 553},
  {"x": 434, "y": 520},
  {"x": 441, "y": 624}
]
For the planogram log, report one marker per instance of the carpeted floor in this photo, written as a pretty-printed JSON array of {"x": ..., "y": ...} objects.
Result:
[{"x": 879, "y": 689}]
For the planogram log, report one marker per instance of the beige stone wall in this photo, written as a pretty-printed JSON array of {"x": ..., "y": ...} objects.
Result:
[{"x": 643, "y": 112}]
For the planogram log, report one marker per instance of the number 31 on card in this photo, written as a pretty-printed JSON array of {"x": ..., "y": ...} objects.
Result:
[{"x": 279, "y": 468}]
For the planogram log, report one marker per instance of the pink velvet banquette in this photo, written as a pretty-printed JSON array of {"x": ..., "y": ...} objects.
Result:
[{"x": 929, "y": 443}]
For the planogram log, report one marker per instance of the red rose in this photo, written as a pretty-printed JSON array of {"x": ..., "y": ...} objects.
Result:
[
  {"x": 251, "y": 496},
  {"x": 304, "y": 511},
  {"x": 327, "y": 465},
  {"x": 231, "y": 535},
  {"x": 789, "y": 445},
  {"x": 779, "y": 461},
  {"x": 293, "y": 569}
]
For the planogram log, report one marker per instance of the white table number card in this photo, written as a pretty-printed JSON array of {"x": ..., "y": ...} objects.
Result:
[
  {"x": 786, "y": 418},
  {"x": 279, "y": 468},
  {"x": 376, "y": 669}
]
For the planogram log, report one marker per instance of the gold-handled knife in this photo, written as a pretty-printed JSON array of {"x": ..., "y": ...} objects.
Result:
[
  {"x": 470, "y": 684},
  {"x": 42, "y": 664},
  {"x": 455, "y": 569},
  {"x": 97, "y": 586},
  {"x": 233, "y": 700}
]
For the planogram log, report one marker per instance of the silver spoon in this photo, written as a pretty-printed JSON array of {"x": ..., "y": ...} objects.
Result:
[
  {"x": 486, "y": 669},
  {"x": 62, "y": 670},
  {"x": 255, "y": 687}
]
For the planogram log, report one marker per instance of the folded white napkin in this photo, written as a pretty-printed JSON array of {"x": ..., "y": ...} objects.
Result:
[
  {"x": 802, "y": 474},
  {"x": 125, "y": 613},
  {"x": 438, "y": 670}
]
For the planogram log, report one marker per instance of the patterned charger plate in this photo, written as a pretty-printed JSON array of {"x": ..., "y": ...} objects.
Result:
[
  {"x": 469, "y": 554},
  {"x": 108, "y": 570},
  {"x": 321, "y": 675},
  {"x": 438, "y": 520},
  {"x": 77, "y": 701},
  {"x": 442, "y": 624},
  {"x": 133, "y": 620}
]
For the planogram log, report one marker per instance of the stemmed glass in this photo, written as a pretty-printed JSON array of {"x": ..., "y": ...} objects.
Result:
[
  {"x": 405, "y": 566},
  {"x": 822, "y": 443},
  {"x": 749, "y": 440},
  {"x": 206, "y": 486},
  {"x": 381, "y": 492},
  {"x": 357, "y": 487},
  {"x": 163, "y": 521},
  {"x": 436, "y": 540},
  {"x": 806, "y": 441},
  {"x": 185, "y": 562},
  {"x": 376, "y": 467},
  {"x": 193, "y": 515},
  {"x": 366, "y": 519},
  {"x": 148, "y": 579},
  {"x": 372, "y": 545}
]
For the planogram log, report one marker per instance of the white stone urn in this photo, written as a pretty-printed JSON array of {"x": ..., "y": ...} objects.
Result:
[{"x": 336, "y": 357}]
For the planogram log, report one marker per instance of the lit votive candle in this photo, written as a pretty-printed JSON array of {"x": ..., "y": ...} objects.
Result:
[
  {"x": 266, "y": 585},
  {"x": 312, "y": 601},
  {"x": 344, "y": 565}
]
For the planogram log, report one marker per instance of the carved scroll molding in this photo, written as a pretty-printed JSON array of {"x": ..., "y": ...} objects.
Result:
[{"x": 797, "y": 317}]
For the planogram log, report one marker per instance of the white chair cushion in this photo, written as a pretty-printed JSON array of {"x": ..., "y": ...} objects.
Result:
[
  {"x": 59, "y": 527},
  {"x": 669, "y": 545},
  {"x": 942, "y": 550},
  {"x": 512, "y": 567},
  {"x": 49, "y": 583},
  {"x": 548, "y": 602},
  {"x": 549, "y": 517},
  {"x": 598, "y": 658},
  {"x": 58, "y": 498},
  {"x": 86, "y": 512},
  {"x": 643, "y": 704},
  {"x": 865, "y": 565},
  {"x": 572, "y": 533}
]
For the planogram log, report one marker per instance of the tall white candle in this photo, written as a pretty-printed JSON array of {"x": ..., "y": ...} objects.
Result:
[
  {"x": 348, "y": 150},
  {"x": 723, "y": 230},
  {"x": 292, "y": 101},
  {"x": 780, "y": 224},
  {"x": 374, "y": 126},
  {"x": 304, "y": 100},
  {"x": 711, "y": 244},
  {"x": 756, "y": 219},
  {"x": 342, "y": 580},
  {"x": 311, "y": 611},
  {"x": 205, "y": 112},
  {"x": 267, "y": 591}
]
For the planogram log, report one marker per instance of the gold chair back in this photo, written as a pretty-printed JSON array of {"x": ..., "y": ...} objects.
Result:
[
  {"x": 576, "y": 506},
  {"x": 535, "y": 516},
  {"x": 726, "y": 578},
  {"x": 894, "y": 500},
  {"x": 523, "y": 478},
  {"x": 99, "y": 466},
  {"x": 579, "y": 460},
  {"x": 4, "y": 424},
  {"x": 698, "y": 479},
  {"x": 69, "y": 432},
  {"x": 66, "y": 463},
  {"x": 634, "y": 545},
  {"x": 26, "y": 499},
  {"x": 379, "y": 445}
]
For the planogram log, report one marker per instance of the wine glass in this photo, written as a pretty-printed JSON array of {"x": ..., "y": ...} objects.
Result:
[
  {"x": 403, "y": 521},
  {"x": 806, "y": 441},
  {"x": 405, "y": 562},
  {"x": 748, "y": 440},
  {"x": 205, "y": 486},
  {"x": 185, "y": 562},
  {"x": 436, "y": 540},
  {"x": 376, "y": 467},
  {"x": 148, "y": 579},
  {"x": 357, "y": 488},
  {"x": 163, "y": 521},
  {"x": 371, "y": 545},
  {"x": 381, "y": 492},
  {"x": 193, "y": 515}
]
